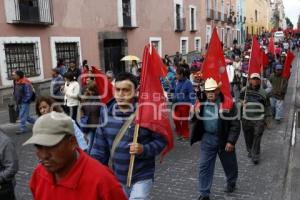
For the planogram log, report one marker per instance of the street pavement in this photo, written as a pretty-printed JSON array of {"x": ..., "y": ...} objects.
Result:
[{"x": 177, "y": 176}]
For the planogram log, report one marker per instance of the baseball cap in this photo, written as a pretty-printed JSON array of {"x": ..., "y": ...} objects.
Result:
[
  {"x": 50, "y": 129},
  {"x": 255, "y": 75}
]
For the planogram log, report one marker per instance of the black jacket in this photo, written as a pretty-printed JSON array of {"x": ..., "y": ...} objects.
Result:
[{"x": 228, "y": 129}]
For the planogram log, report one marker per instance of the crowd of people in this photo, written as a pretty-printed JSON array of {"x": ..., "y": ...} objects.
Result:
[{"x": 77, "y": 138}]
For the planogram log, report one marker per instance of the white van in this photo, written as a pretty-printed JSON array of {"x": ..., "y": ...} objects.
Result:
[{"x": 278, "y": 36}]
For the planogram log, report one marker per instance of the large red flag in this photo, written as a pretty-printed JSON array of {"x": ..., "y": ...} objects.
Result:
[
  {"x": 271, "y": 47},
  {"x": 104, "y": 86},
  {"x": 287, "y": 65},
  {"x": 256, "y": 60},
  {"x": 214, "y": 67},
  {"x": 152, "y": 108},
  {"x": 265, "y": 59}
]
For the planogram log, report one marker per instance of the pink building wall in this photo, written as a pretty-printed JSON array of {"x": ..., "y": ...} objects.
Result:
[{"x": 86, "y": 19}]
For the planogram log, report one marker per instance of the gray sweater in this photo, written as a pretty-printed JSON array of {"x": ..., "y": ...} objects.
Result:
[{"x": 8, "y": 159}]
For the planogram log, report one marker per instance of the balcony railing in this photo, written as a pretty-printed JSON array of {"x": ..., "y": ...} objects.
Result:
[
  {"x": 41, "y": 13},
  {"x": 180, "y": 24},
  {"x": 209, "y": 14}
]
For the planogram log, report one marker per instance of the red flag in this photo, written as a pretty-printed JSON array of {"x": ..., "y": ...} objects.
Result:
[
  {"x": 152, "y": 109},
  {"x": 256, "y": 60},
  {"x": 164, "y": 70},
  {"x": 105, "y": 87},
  {"x": 287, "y": 65},
  {"x": 271, "y": 47},
  {"x": 214, "y": 67},
  {"x": 265, "y": 59}
]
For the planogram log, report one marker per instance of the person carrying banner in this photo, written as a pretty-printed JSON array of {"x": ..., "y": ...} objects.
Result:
[
  {"x": 218, "y": 132},
  {"x": 113, "y": 140}
]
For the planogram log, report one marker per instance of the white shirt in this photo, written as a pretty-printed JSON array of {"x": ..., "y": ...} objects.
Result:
[
  {"x": 72, "y": 91},
  {"x": 230, "y": 73}
]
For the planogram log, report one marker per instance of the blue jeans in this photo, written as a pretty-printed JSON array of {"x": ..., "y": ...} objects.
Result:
[
  {"x": 24, "y": 116},
  {"x": 209, "y": 149},
  {"x": 277, "y": 108},
  {"x": 140, "y": 190}
]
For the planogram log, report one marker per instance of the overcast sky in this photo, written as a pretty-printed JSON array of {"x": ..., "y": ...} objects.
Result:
[{"x": 292, "y": 10}]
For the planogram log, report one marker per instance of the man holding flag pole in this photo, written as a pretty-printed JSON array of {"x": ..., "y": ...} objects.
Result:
[
  {"x": 134, "y": 131},
  {"x": 215, "y": 123},
  {"x": 254, "y": 103},
  {"x": 279, "y": 80}
]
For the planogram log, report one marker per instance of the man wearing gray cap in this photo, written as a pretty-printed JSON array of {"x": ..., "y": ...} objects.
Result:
[
  {"x": 279, "y": 85},
  {"x": 65, "y": 171},
  {"x": 255, "y": 112}
]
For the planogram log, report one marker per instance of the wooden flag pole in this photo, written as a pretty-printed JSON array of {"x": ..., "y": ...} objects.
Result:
[{"x": 132, "y": 157}]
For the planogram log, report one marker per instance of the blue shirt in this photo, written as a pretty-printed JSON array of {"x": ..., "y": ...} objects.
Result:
[
  {"x": 211, "y": 116},
  {"x": 184, "y": 92}
]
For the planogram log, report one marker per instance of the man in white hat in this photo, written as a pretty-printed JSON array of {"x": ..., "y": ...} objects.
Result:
[
  {"x": 218, "y": 133},
  {"x": 255, "y": 112},
  {"x": 65, "y": 171}
]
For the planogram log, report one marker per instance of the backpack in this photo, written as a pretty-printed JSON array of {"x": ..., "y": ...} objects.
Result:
[{"x": 33, "y": 96}]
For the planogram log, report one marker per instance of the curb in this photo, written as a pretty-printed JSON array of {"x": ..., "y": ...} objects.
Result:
[{"x": 289, "y": 139}]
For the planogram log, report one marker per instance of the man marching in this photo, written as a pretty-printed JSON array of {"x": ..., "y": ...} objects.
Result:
[
  {"x": 119, "y": 126},
  {"x": 218, "y": 132},
  {"x": 255, "y": 111}
]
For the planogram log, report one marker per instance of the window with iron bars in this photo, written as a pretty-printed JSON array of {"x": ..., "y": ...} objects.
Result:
[
  {"x": 68, "y": 52},
  {"x": 22, "y": 57}
]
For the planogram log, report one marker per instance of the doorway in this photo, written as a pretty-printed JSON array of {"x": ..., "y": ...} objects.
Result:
[{"x": 113, "y": 53}]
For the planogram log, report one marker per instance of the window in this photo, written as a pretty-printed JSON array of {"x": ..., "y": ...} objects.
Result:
[
  {"x": 184, "y": 45},
  {"x": 216, "y": 8},
  {"x": 223, "y": 8},
  {"x": 198, "y": 44},
  {"x": 29, "y": 11},
  {"x": 238, "y": 36},
  {"x": 179, "y": 20},
  {"x": 20, "y": 53},
  {"x": 208, "y": 5},
  {"x": 66, "y": 48},
  {"x": 22, "y": 57},
  {"x": 222, "y": 35},
  {"x": 193, "y": 18},
  {"x": 255, "y": 15},
  {"x": 127, "y": 13},
  {"x": 208, "y": 33},
  {"x": 68, "y": 51},
  {"x": 156, "y": 42}
]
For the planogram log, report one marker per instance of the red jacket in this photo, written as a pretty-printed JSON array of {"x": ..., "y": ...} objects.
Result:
[{"x": 88, "y": 179}]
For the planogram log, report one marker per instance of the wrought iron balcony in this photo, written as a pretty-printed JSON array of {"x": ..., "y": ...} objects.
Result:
[{"x": 33, "y": 12}]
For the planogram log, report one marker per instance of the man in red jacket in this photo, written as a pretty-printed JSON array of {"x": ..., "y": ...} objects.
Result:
[{"x": 65, "y": 171}]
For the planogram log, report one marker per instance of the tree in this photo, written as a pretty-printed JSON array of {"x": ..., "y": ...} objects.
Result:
[{"x": 289, "y": 23}]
